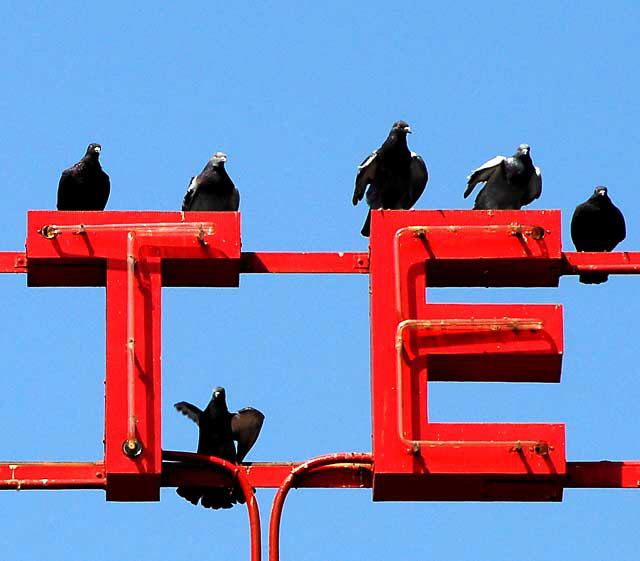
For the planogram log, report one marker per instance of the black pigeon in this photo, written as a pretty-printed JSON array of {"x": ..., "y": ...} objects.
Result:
[
  {"x": 395, "y": 175},
  {"x": 212, "y": 189},
  {"x": 218, "y": 428},
  {"x": 84, "y": 186},
  {"x": 597, "y": 225},
  {"x": 510, "y": 183}
]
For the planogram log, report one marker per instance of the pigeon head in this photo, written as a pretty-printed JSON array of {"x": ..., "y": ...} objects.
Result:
[
  {"x": 218, "y": 394},
  {"x": 600, "y": 191},
  {"x": 523, "y": 150},
  {"x": 219, "y": 158},
  {"x": 401, "y": 127},
  {"x": 93, "y": 150}
]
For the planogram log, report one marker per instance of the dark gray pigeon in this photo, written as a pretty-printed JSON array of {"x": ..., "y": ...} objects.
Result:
[
  {"x": 84, "y": 186},
  {"x": 212, "y": 189},
  {"x": 218, "y": 428},
  {"x": 510, "y": 183},
  {"x": 396, "y": 176},
  {"x": 597, "y": 225}
]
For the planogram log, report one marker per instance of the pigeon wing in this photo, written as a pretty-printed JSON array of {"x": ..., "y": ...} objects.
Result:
[
  {"x": 619, "y": 228},
  {"x": 418, "y": 177},
  {"x": 234, "y": 200},
  {"x": 103, "y": 190},
  {"x": 245, "y": 428},
  {"x": 365, "y": 175},
  {"x": 189, "y": 410},
  {"x": 483, "y": 173},
  {"x": 191, "y": 191},
  {"x": 65, "y": 184},
  {"x": 534, "y": 189}
]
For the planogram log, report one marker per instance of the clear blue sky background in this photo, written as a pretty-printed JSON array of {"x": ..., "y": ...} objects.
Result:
[{"x": 297, "y": 94}]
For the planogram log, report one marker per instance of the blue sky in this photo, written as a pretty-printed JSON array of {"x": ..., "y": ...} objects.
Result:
[{"x": 297, "y": 94}]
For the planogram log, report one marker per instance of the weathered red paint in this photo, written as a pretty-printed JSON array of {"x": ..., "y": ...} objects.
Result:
[
  {"x": 133, "y": 254},
  {"x": 80, "y": 259},
  {"x": 414, "y": 459},
  {"x": 92, "y": 475},
  {"x": 52, "y": 475},
  {"x": 413, "y": 342}
]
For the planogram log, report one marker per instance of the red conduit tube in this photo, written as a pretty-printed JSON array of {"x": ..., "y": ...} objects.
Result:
[
  {"x": 298, "y": 472},
  {"x": 241, "y": 475}
]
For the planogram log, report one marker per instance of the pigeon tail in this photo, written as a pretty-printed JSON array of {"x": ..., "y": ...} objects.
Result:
[
  {"x": 209, "y": 497},
  {"x": 594, "y": 278},
  {"x": 366, "y": 229}
]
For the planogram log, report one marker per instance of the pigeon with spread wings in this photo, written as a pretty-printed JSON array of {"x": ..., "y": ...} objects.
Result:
[
  {"x": 509, "y": 183},
  {"x": 218, "y": 428},
  {"x": 396, "y": 177}
]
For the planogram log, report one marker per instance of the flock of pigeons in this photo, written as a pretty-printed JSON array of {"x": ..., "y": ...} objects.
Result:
[{"x": 392, "y": 177}]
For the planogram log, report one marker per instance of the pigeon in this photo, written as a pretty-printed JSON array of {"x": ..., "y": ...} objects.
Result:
[
  {"x": 510, "y": 183},
  {"x": 218, "y": 428},
  {"x": 84, "y": 186},
  {"x": 396, "y": 176},
  {"x": 212, "y": 189},
  {"x": 597, "y": 225}
]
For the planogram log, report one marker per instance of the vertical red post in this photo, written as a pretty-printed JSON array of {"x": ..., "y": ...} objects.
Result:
[{"x": 132, "y": 420}]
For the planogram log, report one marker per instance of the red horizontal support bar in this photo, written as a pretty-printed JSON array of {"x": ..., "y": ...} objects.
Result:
[
  {"x": 52, "y": 475},
  {"x": 266, "y": 475},
  {"x": 618, "y": 262},
  {"x": 91, "y": 475},
  {"x": 302, "y": 262},
  {"x": 603, "y": 475},
  {"x": 573, "y": 262},
  {"x": 13, "y": 262}
]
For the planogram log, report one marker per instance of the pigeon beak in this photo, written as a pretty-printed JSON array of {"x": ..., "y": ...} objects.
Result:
[
  {"x": 407, "y": 130},
  {"x": 97, "y": 149}
]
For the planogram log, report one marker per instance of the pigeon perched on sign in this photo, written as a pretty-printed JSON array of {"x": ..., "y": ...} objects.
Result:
[
  {"x": 218, "y": 428},
  {"x": 510, "y": 183},
  {"x": 84, "y": 186},
  {"x": 396, "y": 176},
  {"x": 212, "y": 189},
  {"x": 597, "y": 225}
]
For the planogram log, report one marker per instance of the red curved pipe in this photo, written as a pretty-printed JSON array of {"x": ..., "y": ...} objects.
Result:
[
  {"x": 241, "y": 475},
  {"x": 365, "y": 460}
]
